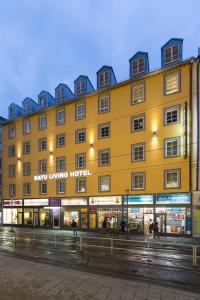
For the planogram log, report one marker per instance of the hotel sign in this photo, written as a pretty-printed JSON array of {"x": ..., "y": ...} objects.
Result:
[{"x": 62, "y": 175}]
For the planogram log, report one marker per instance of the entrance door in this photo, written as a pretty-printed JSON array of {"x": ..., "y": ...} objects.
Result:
[
  {"x": 161, "y": 219},
  {"x": 36, "y": 219},
  {"x": 56, "y": 218}
]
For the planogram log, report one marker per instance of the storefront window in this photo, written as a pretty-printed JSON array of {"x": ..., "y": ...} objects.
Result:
[
  {"x": 136, "y": 219},
  {"x": 44, "y": 217},
  {"x": 12, "y": 216},
  {"x": 113, "y": 217},
  {"x": 69, "y": 216},
  {"x": 176, "y": 220},
  {"x": 28, "y": 216}
]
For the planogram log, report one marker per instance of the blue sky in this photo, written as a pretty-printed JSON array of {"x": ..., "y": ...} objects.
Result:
[{"x": 45, "y": 42}]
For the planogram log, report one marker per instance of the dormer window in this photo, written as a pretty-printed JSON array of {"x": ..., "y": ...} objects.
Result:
[
  {"x": 80, "y": 87},
  {"x": 104, "y": 78},
  {"x": 27, "y": 107},
  {"x": 43, "y": 101},
  {"x": 138, "y": 66},
  {"x": 12, "y": 112},
  {"x": 60, "y": 94},
  {"x": 171, "y": 54}
]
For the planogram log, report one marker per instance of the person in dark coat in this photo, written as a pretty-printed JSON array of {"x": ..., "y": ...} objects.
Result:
[
  {"x": 74, "y": 228},
  {"x": 122, "y": 226},
  {"x": 156, "y": 230},
  {"x": 104, "y": 226}
]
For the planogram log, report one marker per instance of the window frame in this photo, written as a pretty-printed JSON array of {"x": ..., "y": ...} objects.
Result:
[
  {"x": 40, "y": 186},
  {"x": 39, "y": 144},
  {"x": 171, "y": 54},
  {"x": 29, "y": 122},
  {"x": 83, "y": 103},
  {"x": 137, "y": 85},
  {"x": 58, "y": 123},
  {"x": 12, "y": 195},
  {"x": 136, "y": 117},
  {"x": 170, "y": 109},
  {"x": 39, "y": 121},
  {"x": 12, "y": 126},
  {"x": 172, "y": 139},
  {"x": 25, "y": 186},
  {"x": 24, "y": 147},
  {"x": 179, "y": 178},
  {"x": 9, "y": 151},
  {"x": 77, "y": 155},
  {"x": 58, "y": 159},
  {"x": 39, "y": 166},
  {"x": 57, "y": 140},
  {"x": 99, "y": 156},
  {"x": 58, "y": 186},
  {"x": 178, "y": 72},
  {"x": 99, "y": 130},
  {"x": 100, "y": 183},
  {"x": 133, "y": 187},
  {"x": 138, "y": 66},
  {"x": 77, "y": 132},
  {"x": 133, "y": 146},
  {"x": 100, "y": 98},
  {"x": 24, "y": 168},
  {"x": 105, "y": 82},
  {"x": 77, "y": 184},
  {"x": 13, "y": 173}
]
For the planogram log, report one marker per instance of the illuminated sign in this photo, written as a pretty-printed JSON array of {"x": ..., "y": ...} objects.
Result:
[
  {"x": 17, "y": 202},
  {"x": 143, "y": 199},
  {"x": 54, "y": 202},
  {"x": 36, "y": 202},
  {"x": 183, "y": 198},
  {"x": 74, "y": 201},
  {"x": 62, "y": 175},
  {"x": 110, "y": 200}
]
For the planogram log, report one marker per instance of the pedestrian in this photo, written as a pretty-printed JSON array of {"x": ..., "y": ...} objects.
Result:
[
  {"x": 151, "y": 227},
  {"x": 122, "y": 226},
  {"x": 74, "y": 228},
  {"x": 155, "y": 230},
  {"x": 104, "y": 226}
]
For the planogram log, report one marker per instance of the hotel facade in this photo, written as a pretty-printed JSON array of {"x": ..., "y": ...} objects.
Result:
[{"x": 120, "y": 152}]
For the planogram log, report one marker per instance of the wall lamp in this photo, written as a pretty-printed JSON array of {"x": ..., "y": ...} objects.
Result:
[
  {"x": 51, "y": 153},
  {"x": 154, "y": 133},
  {"x": 91, "y": 145},
  {"x": 19, "y": 159}
]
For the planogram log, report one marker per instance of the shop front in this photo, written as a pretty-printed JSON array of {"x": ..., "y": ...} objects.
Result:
[
  {"x": 75, "y": 209},
  {"x": 105, "y": 208},
  {"x": 13, "y": 212},
  {"x": 138, "y": 212},
  {"x": 173, "y": 213}
]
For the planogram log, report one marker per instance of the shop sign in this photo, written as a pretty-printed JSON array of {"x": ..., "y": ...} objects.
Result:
[
  {"x": 74, "y": 201},
  {"x": 183, "y": 198},
  {"x": 17, "y": 202},
  {"x": 62, "y": 175},
  {"x": 36, "y": 202},
  {"x": 137, "y": 199},
  {"x": 54, "y": 202},
  {"x": 110, "y": 200}
]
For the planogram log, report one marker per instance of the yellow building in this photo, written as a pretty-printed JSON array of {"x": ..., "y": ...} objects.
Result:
[{"x": 120, "y": 152}]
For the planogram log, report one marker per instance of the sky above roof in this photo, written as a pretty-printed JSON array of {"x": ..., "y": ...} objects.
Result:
[{"x": 45, "y": 42}]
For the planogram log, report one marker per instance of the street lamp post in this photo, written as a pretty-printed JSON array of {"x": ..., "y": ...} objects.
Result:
[{"x": 127, "y": 193}]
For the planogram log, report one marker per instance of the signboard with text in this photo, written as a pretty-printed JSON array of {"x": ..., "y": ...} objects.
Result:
[
  {"x": 182, "y": 198},
  {"x": 110, "y": 200},
  {"x": 138, "y": 199}
]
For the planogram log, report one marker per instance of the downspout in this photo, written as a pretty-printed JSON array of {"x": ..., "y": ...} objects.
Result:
[
  {"x": 190, "y": 130},
  {"x": 198, "y": 146}
]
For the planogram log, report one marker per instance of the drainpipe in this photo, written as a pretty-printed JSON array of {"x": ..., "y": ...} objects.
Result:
[
  {"x": 190, "y": 130},
  {"x": 198, "y": 146}
]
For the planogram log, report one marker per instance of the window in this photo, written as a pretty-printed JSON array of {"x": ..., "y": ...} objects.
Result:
[
  {"x": 138, "y": 181},
  {"x": 60, "y": 94},
  {"x": 42, "y": 122},
  {"x": 172, "y": 147},
  {"x": 12, "y": 131},
  {"x": 26, "y": 148},
  {"x": 104, "y": 130},
  {"x": 43, "y": 101},
  {"x": 172, "y": 83},
  {"x": 60, "y": 140},
  {"x": 138, "y": 66},
  {"x": 81, "y": 87},
  {"x": 43, "y": 187},
  {"x": 27, "y": 189},
  {"x": 104, "y": 157},
  {"x": 13, "y": 112},
  {"x": 138, "y": 152},
  {"x": 27, "y": 127},
  {"x": 80, "y": 136},
  {"x": 27, "y": 107},
  {"x": 104, "y": 78},
  {"x": 80, "y": 111},
  {"x": 80, "y": 160},
  {"x": 12, "y": 190},
  {"x": 11, "y": 151},
  {"x": 172, "y": 178},
  {"x": 12, "y": 171},
  {"x": 138, "y": 123},
  {"x": 104, "y": 104},
  {"x": 60, "y": 164},
  {"x": 172, "y": 115},
  {"x": 81, "y": 185},
  {"x": 61, "y": 186},
  {"x": 43, "y": 166},
  {"x": 104, "y": 183},
  {"x": 27, "y": 169},
  {"x": 60, "y": 116},
  {"x": 171, "y": 54},
  {"x": 138, "y": 93},
  {"x": 42, "y": 144}
]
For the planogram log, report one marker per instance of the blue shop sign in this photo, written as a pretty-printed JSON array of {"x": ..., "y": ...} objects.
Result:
[
  {"x": 183, "y": 198},
  {"x": 137, "y": 199}
]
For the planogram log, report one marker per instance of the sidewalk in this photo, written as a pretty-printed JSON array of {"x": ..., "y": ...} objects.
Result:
[{"x": 28, "y": 280}]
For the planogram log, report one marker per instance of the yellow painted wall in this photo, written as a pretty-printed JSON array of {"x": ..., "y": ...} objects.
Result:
[{"x": 119, "y": 142}]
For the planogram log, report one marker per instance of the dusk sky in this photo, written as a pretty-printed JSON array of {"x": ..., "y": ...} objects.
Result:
[{"x": 45, "y": 42}]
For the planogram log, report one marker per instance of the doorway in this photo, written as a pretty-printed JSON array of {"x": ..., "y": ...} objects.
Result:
[
  {"x": 161, "y": 219},
  {"x": 56, "y": 218}
]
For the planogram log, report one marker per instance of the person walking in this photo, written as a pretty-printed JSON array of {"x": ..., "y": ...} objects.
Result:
[
  {"x": 104, "y": 226},
  {"x": 122, "y": 226},
  {"x": 151, "y": 227},
  {"x": 156, "y": 230},
  {"x": 74, "y": 228}
]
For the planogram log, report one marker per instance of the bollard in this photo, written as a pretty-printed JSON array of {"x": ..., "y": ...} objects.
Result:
[
  {"x": 81, "y": 244},
  {"x": 111, "y": 247},
  {"x": 55, "y": 241},
  {"x": 194, "y": 264},
  {"x": 148, "y": 251},
  {"x": 15, "y": 238}
]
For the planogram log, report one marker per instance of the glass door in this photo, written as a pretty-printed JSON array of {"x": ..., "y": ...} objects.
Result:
[
  {"x": 56, "y": 218},
  {"x": 161, "y": 219}
]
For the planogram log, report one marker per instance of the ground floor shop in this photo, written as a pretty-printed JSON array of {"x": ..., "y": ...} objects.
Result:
[{"x": 173, "y": 212}]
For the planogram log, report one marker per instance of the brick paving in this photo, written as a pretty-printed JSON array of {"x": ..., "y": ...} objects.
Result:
[{"x": 27, "y": 280}]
